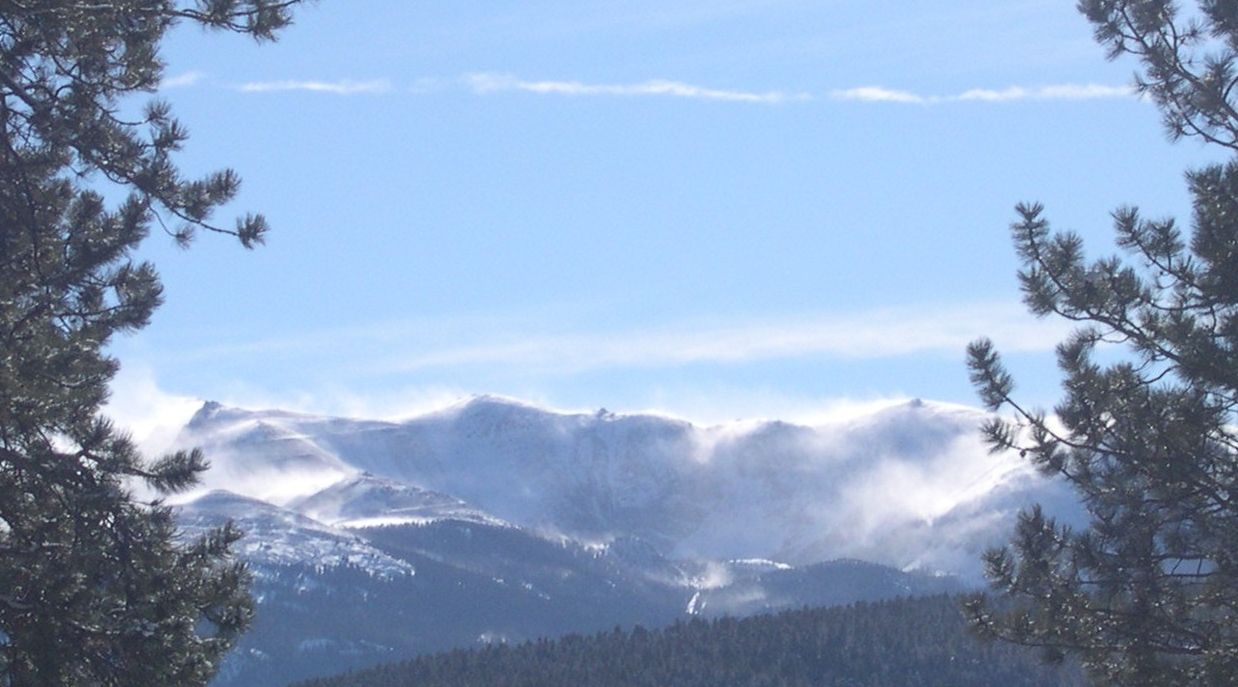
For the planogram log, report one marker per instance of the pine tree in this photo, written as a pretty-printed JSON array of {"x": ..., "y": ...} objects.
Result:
[
  {"x": 97, "y": 587},
  {"x": 1147, "y": 432}
]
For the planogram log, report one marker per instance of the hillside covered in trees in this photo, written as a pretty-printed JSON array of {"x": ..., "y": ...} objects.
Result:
[{"x": 915, "y": 642}]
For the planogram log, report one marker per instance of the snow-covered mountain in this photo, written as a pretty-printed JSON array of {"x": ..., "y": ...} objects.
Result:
[
  {"x": 910, "y": 486},
  {"x": 493, "y": 519}
]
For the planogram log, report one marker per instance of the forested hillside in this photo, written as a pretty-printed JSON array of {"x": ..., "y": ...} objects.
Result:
[{"x": 917, "y": 642}]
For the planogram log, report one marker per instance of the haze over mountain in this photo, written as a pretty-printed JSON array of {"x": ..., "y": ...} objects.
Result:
[
  {"x": 495, "y": 520},
  {"x": 910, "y": 485}
]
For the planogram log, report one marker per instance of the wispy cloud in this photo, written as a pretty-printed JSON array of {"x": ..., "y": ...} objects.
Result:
[
  {"x": 182, "y": 80},
  {"x": 872, "y": 335},
  {"x": 880, "y": 94},
  {"x": 491, "y": 347},
  {"x": 151, "y": 415},
  {"x": 482, "y": 83},
  {"x": 1059, "y": 92},
  {"x": 342, "y": 87},
  {"x": 876, "y": 94},
  {"x": 865, "y": 336},
  {"x": 489, "y": 83}
]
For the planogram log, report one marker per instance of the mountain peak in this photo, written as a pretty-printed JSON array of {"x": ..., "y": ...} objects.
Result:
[{"x": 205, "y": 414}]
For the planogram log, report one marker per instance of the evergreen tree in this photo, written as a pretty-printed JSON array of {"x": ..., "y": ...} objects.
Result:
[
  {"x": 96, "y": 587},
  {"x": 908, "y": 642},
  {"x": 1148, "y": 594}
]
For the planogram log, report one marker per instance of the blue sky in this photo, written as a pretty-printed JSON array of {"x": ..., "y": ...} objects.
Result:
[{"x": 716, "y": 209}]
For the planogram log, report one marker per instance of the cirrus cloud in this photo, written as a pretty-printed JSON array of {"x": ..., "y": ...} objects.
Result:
[
  {"x": 182, "y": 80},
  {"x": 881, "y": 94},
  {"x": 342, "y": 87},
  {"x": 873, "y": 335},
  {"x": 488, "y": 83}
]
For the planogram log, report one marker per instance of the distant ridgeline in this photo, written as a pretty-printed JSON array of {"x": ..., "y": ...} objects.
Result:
[{"x": 914, "y": 642}]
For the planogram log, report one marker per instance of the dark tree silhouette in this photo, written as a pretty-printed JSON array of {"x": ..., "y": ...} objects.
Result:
[
  {"x": 97, "y": 588},
  {"x": 1148, "y": 594}
]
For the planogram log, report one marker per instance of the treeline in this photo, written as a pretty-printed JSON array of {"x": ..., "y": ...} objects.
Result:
[{"x": 916, "y": 642}]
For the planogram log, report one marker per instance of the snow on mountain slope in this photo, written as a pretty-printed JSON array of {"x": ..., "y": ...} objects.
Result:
[
  {"x": 267, "y": 455},
  {"x": 370, "y": 501},
  {"x": 910, "y": 485},
  {"x": 276, "y": 537}
]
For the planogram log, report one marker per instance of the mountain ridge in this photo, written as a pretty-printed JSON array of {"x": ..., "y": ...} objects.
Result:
[
  {"x": 497, "y": 520},
  {"x": 770, "y": 489}
]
